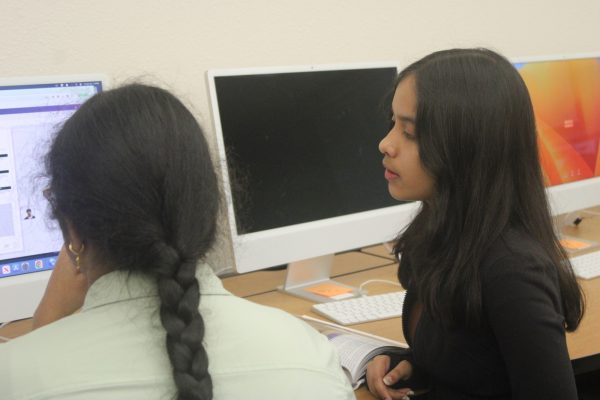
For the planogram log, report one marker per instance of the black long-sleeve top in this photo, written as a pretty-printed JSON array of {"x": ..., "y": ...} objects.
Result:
[{"x": 519, "y": 352}]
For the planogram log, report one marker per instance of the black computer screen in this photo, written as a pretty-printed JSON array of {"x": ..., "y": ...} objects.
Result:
[{"x": 303, "y": 146}]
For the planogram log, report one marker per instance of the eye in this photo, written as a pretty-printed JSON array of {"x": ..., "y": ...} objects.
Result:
[{"x": 409, "y": 136}]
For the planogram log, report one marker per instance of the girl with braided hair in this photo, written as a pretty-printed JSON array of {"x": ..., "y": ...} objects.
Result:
[{"x": 133, "y": 188}]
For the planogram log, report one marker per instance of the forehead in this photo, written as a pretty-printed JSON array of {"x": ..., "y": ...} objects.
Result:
[{"x": 405, "y": 97}]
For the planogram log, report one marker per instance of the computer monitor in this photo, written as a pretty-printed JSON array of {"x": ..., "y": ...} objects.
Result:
[
  {"x": 31, "y": 109},
  {"x": 565, "y": 92},
  {"x": 302, "y": 172}
]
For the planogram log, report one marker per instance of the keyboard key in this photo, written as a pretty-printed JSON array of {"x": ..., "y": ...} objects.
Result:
[
  {"x": 587, "y": 266},
  {"x": 363, "y": 309}
]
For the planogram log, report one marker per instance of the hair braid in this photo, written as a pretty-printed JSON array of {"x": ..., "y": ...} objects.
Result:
[
  {"x": 179, "y": 294},
  {"x": 132, "y": 172}
]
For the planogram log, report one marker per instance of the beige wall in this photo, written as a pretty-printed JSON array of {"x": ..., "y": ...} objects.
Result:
[{"x": 173, "y": 43}]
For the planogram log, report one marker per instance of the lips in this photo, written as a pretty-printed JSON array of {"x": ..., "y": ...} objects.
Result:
[{"x": 389, "y": 175}]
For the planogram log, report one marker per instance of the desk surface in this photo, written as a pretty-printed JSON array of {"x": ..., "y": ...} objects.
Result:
[
  {"x": 582, "y": 343},
  {"x": 253, "y": 283},
  {"x": 585, "y": 342}
]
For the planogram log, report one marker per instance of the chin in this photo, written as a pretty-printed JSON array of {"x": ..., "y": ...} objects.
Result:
[
  {"x": 403, "y": 196},
  {"x": 399, "y": 196}
]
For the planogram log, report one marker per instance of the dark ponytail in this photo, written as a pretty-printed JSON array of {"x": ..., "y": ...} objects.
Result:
[{"x": 131, "y": 172}]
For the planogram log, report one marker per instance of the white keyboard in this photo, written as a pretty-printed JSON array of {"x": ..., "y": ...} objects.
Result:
[
  {"x": 587, "y": 266},
  {"x": 363, "y": 309}
]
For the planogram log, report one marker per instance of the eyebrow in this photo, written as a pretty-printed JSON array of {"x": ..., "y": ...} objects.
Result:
[{"x": 405, "y": 118}]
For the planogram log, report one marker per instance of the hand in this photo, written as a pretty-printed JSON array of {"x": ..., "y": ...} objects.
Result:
[
  {"x": 64, "y": 294},
  {"x": 379, "y": 379}
]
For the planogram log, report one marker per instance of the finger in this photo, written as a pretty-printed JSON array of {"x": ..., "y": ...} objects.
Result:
[
  {"x": 376, "y": 370},
  {"x": 400, "y": 394},
  {"x": 401, "y": 371}
]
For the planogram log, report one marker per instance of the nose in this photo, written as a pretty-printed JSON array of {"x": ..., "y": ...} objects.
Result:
[{"x": 386, "y": 147}]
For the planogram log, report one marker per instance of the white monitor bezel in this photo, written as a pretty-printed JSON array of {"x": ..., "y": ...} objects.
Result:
[
  {"x": 572, "y": 196},
  {"x": 20, "y": 294},
  {"x": 259, "y": 250}
]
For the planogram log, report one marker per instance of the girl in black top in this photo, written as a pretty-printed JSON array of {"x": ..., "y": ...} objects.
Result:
[{"x": 490, "y": 290}]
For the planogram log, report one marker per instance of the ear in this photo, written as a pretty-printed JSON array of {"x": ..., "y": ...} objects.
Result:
[{"x": 72, "y": 236}]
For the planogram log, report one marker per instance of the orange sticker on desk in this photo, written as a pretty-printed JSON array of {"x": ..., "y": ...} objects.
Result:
[
  {"x": 328, "y": 290},
  {"x": 573, "y": 244}
]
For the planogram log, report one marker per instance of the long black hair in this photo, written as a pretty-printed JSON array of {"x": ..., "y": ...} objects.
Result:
[
  {"x": 131, "y": 172},
  {"x": 476, "y": 136}
]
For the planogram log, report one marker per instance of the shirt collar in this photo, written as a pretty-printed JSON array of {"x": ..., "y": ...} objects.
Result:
[{"x": 128, "y": 285}]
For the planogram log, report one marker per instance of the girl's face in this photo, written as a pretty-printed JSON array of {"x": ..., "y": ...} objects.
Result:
[{"x": 407, "y": 179}]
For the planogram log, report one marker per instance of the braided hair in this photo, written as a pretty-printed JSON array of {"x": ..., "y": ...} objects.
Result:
[{"x": 131, "y": 172}]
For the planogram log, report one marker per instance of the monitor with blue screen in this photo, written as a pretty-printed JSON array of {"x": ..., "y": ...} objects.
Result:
[{"x": 31, "y": 109}]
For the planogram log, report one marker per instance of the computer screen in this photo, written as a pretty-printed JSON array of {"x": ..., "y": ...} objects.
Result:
[
  {"x": 31, "y": 110},
  {"x": 299, "y": 153},
  {"x": 565, "y": 92}
]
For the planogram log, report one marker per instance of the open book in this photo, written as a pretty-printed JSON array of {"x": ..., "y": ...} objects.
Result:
[{"x": 355, "y": 348}]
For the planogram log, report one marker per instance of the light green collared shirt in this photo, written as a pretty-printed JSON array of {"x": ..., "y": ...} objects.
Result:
[{"x": 115, "y": 349}]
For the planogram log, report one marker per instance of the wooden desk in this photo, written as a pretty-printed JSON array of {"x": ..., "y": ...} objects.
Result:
[
  {"x": 380, "y": 251},
  {"x": 252, "y": 283},
  {"x": 582, "y": 344}
]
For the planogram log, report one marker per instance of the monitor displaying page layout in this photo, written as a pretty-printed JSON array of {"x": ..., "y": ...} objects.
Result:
[
  {"x": 302, "y": 169},
  {"x": 31, "y": 110},
  {"x": 565, "y": 92}
]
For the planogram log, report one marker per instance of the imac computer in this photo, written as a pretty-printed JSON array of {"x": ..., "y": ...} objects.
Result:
[
  {"x": 31, "y": 110},
  {"x": 565, "y": 92},
  {"x": 302, "y": 172}
]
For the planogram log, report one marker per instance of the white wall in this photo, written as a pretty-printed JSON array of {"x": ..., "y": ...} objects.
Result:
[{"x": 173, "y": 42}]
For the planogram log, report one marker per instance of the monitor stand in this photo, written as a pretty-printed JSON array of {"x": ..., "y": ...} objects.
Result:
[{"x": 310, "y": 280}]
